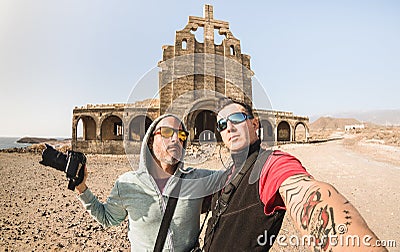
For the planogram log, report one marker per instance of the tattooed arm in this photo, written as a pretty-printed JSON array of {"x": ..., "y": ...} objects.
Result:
[{"x": 321, "y": 212}]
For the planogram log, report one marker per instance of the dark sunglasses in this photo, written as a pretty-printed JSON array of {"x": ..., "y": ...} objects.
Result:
[
  {"x": 168, "y": 132},
  {"x": 234, "y": 118}
]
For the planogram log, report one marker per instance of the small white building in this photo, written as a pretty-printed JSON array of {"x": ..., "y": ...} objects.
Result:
[{"x": 354, "y": 127}]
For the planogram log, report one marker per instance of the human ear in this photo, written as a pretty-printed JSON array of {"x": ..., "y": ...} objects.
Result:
[{"x": 256, "y": 123}]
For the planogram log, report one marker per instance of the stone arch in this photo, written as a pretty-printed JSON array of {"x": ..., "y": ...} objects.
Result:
[
  {"x": 205, "y": 120},
  {"x": 266, "y": 131},
  {"x": 201, "y": 117},
  {"x": 283, "y": 132},
  {"x": 111, "y": 128},
  {"x": 89, "y": 128},
  {"x": 138, "y": 127},
  {"x": 300, "y": 132},
  {"x": 201, "y": 121}
]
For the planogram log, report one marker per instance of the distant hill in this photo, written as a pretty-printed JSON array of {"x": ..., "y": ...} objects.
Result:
[
  {"x": 330, "y": 123},
  {"x": 379, "y": 117},
  {"x": 34, "y": 140}
]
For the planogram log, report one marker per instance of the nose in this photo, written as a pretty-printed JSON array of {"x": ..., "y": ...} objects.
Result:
[
  {"x": 174, "y": 137},
  {"x": 230, "y": 126}
]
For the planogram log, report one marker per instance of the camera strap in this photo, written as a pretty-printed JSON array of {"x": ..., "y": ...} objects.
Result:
[
  {"x": 225, "y": 195},
  {"x": 166, "y": 221}
]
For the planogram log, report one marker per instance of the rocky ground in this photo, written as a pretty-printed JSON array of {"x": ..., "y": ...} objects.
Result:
[{"x": 39, "y": 213}]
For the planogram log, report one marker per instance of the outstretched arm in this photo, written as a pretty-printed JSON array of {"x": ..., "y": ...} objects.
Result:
[
  {"x": 110, "y": 213},
  {"x": 322, "y": 214}
]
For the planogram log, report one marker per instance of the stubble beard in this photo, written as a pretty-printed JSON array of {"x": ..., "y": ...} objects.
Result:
[{"x": 169, "y": 157}]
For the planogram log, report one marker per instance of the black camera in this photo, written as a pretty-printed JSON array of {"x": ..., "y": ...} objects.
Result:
[{"x": 72, "y": 163}]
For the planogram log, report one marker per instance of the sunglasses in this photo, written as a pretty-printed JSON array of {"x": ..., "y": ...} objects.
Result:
[
  {"x": 234, "y": 118},
  {"x": 168, "y": 132}
]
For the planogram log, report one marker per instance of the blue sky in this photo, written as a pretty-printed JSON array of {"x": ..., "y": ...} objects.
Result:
[{"x": 312, "y": 57}]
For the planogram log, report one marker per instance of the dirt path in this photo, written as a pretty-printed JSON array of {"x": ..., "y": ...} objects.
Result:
[{"x": 371, "y": 186}]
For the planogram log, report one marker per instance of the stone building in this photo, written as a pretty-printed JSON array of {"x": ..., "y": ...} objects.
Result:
[{"x": 192, "y": 76}]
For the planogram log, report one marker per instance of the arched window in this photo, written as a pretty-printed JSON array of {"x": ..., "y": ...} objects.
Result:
[
  {"x": 232, "y": 50},
  {"x": 198, "y": 34},
  {"x": 184, "y": 44},
  {"x": 218, "y": 38}
]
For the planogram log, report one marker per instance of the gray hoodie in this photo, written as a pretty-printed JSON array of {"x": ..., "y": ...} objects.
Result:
[{"x": 136, "y": 195}]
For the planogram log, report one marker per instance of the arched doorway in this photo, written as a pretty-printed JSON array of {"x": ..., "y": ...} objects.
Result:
[
  {"x": 204, "y": 126},
  {"x": 283, "y": 132},
  {"x": 112, "y": 128},
  {"x": 266, "y": 131},
  {"x": 86, "y": 129},
  {"x": 138, "y": 127},
  {"x": 300, "y": 133}
]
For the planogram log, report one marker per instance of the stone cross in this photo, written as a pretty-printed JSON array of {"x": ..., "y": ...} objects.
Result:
[{"x": 209, "y": 23}]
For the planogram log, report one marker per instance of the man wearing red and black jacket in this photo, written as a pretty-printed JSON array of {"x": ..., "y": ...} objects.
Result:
[{"x": 247, "y": 213}]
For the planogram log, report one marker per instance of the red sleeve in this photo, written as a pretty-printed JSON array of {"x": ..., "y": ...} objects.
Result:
[{"x": 278, "y": 167}]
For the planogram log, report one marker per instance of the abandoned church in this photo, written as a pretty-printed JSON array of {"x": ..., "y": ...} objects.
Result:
[{"x": 192, "y": 75}]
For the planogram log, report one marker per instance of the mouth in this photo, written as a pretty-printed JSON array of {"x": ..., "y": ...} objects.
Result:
[
  {"x": 233, "y": 138},
  {"x": 175, "y": 152},
  {"x": 173, "y": 148}
]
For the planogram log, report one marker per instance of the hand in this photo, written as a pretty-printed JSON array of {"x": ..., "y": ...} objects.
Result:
[{"x": 82, "y": 186}]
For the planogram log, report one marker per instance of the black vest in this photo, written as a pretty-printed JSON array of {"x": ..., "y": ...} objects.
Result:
[{"x": 242, "y": 224}]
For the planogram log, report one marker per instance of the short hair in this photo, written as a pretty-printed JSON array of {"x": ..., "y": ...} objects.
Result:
[{"x": 225, "y": 101}]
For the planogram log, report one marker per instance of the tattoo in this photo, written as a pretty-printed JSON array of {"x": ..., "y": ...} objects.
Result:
[
  {"x": 292, "y": 190},
  {"x": 321, "y": 225},
  {"x": 297, "y": 178},
  {"x": 347, "y": 217},
  {"x": 308, "y": 208},
  {"x": 319, "y": 221},
  {"x": 333, "y": 220},
  {"x": 298, "y": 205},
  {"x": 290, "y": 194}
]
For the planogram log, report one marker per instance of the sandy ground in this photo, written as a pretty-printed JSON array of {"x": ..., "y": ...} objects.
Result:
[
  {"x": 362, "y": 175},
  {"x": 40, "y": 213}
]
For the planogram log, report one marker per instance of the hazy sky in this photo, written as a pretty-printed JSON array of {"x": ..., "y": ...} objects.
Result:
[{"x": 312, "y": 57}]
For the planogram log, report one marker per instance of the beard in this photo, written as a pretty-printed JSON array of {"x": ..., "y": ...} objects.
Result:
[{"x": 170, "y": 155}]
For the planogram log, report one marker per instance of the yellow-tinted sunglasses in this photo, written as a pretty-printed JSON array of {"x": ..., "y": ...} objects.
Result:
[{"x": 168, "y": 132}]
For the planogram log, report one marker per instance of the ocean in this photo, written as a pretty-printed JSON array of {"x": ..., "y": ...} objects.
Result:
[{"x": 11, "y": 142}]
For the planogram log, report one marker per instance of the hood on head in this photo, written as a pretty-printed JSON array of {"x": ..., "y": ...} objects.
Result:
[{"x": 145, "y": 153}]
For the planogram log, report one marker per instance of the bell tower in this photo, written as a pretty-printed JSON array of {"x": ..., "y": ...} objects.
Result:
[{"x": 196, "y": 69}]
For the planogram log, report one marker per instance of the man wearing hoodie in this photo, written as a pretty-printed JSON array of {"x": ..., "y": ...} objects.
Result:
[{"x": 142, "y": 194}]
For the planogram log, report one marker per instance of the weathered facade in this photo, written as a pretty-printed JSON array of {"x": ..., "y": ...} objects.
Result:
[
  {"x": 192, "y": 76},
  {"x": 104, "y": 126}
]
